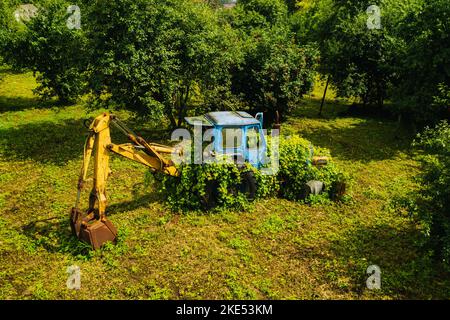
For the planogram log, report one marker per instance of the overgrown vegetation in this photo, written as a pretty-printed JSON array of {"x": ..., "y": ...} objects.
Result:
[
  {"x": 279, "y": 249},
  {"x": 219, "y": 185},
  {"x": 165, "y": 59},
  {"x": 431, "y": 204},
  {"x": 297, "y": 168}
]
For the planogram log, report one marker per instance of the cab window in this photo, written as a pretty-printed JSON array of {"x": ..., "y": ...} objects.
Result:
[
  {"x": 253, "y": 138},
  {"x": 231, "y": 138}
]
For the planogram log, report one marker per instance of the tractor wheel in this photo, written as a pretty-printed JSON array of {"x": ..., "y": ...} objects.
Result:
[
  {"x": 248, "y": 185},
  {"x": 209, "y": 200}
]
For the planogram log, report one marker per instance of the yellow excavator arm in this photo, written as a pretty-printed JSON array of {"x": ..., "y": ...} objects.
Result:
[{"x": 92, "y": 226}]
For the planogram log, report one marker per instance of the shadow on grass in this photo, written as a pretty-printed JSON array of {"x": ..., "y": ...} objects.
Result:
[
  {"x": 8, "y": 104},
  {"x": 44, "y": 142},
  {"x": 6, "y": 70},
  {"x": 407, "y": 270},
  {"x": 310, "y": 107},
  {"x": 55, "y": 236},
  {"x": 366, "y": 141},
  {"x": 351, "y": 138},
  {"x": 138, "y": 202},
  {"x": 47, "y": 142}
]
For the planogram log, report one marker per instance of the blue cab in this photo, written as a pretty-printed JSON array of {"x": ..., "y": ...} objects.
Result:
[{"x": 248, "y": 143}]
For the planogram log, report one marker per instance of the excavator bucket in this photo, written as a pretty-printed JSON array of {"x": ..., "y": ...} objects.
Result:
[{"x": 91, "y": 230}]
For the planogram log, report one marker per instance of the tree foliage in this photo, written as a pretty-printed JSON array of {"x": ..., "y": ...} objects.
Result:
[
  {"x": 431, "y": 205},
  {"x": 154, "y": 57},
  {"x": 276, "y": 70},
  {"x": 46, "y": 46},
  {"x": 402, "y": 62},
  {"x": 359, "y": 61},
  {"x": 424, "y": 67},
  {"x": 7, "y": 25},
  {"x": 275, "y": 74}
]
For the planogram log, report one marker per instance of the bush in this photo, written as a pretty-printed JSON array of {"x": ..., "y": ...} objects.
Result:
[
  {"x": 266, "y": 12},
  {"x": 189, "y": 190},
  {"x": 46, "y": 46},
  {"x": 276, "y": 72},
  {"x": 286, "y": 72},
  {"x": 296, "y": 169},
  {"x": 431, "y": 204}
]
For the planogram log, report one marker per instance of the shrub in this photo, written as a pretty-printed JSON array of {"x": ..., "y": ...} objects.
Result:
[
  {"x": 189, "y": 190},
  {"x": 296, "y": 169},
  {"x": 431, "y": 205},
  {"x": 268, "y": 12},
  {"x": 276, "y": 72},
  {"x": 196, "y": 183}
]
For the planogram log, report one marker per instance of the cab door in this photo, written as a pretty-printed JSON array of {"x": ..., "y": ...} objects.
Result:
[
  {"x": 232, "y": 143},
  {"x": 253, "y": 145}
]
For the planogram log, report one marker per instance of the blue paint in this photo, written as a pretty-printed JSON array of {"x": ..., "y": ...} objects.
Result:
[{"x": 221, "y": 120}]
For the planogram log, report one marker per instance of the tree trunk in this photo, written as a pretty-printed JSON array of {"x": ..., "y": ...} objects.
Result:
[
  {"x": 173, "y": 122},
  {"x": 183, "y": 105},
  {"x": 324, "y": 95}
]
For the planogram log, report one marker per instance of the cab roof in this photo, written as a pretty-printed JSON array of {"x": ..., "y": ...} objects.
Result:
[{"x": 223, "y": 118}]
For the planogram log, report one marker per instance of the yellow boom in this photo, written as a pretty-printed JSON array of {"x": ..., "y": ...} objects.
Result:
[{"x": 92, "y": 226}]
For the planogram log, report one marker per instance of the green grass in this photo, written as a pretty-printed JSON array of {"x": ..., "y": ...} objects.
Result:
[{"x": 279, "y": 250}]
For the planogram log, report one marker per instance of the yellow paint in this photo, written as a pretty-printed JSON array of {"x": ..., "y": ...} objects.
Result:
[{"x": 99, "y": 142}]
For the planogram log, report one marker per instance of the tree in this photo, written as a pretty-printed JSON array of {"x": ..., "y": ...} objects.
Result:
[
  {"x": 46, "y": 46},
  {"x": 294, "y": 5},
  {"x": 273, "y": 11},
  {"x": 424, "y": 67},
  {"x": 276, "y": 70},
  {"x": 6, "y": 23},
  {"x": 359, "y": 61},
  {"x": 253, "y": 14},
  {"x": 160, "y": 57}
]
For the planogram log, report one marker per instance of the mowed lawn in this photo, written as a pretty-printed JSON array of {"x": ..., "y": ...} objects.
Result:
[{"x": 278, "y": 250}]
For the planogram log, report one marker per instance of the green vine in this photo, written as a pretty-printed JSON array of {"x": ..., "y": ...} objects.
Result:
[{"x": 190, "y": 190}]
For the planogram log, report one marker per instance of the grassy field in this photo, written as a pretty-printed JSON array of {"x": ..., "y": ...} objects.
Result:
[{"x": 278, "y": 250}]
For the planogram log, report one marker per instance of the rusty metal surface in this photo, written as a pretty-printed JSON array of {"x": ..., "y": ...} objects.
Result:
[{"x": 91, "y": 230}]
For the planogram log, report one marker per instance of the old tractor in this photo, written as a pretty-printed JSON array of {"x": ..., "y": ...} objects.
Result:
[
  {"x": 248, "y": 145},
  {"x": 236, "y": 134}
]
